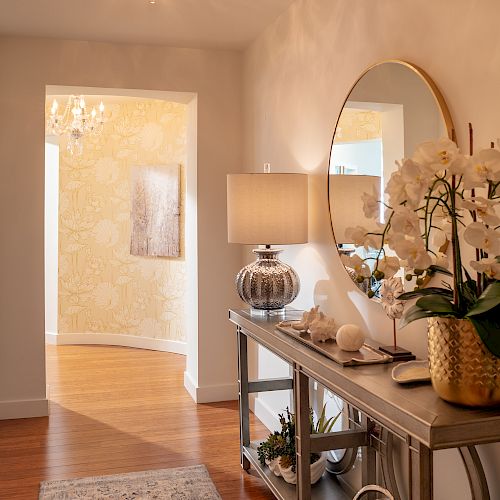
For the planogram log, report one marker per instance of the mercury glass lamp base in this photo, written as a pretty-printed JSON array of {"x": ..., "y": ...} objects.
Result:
[{"x": 267, "y": 284}]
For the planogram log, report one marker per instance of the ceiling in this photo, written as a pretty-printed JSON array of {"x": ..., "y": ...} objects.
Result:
[{"x": 223, "y": 24}]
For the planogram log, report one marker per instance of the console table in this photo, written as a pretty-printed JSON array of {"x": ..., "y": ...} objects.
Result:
[{"x": 380, "y": 413}]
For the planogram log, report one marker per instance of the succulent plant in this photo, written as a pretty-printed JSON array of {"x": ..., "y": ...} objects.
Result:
[{"x": 281, "y": 444}]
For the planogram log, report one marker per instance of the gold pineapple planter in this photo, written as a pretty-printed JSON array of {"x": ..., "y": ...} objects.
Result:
[{"x": 463, "y": 370}]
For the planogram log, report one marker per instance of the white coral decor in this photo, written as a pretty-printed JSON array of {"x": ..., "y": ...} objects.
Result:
[{"x": 322, "y": 328}]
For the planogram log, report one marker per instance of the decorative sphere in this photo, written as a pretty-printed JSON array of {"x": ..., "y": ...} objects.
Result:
[{"x": 350, "y": 337}]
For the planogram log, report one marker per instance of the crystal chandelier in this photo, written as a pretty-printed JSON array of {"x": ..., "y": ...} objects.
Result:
[{"x": 76, "y": 122}]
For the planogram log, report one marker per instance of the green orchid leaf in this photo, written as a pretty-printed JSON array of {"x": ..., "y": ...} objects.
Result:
[
  {"x": 436, "y": 303},
  {"x": 432, "y": 290},
  {"x": 414, "y": 313},
  {"x": 467, "y": 275},
  {"x": 488, "y": 328},
  {"x": 469, "y": 291},
  {"x": 439, "y": 269},
  {"x": 489, "y": 299}
]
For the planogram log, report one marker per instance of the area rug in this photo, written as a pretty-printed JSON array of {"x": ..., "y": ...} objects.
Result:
[{"x": 183, "y": 483}]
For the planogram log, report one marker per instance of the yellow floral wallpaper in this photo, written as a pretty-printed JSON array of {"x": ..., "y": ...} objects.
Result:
[
  {"x": 102, "y": 288},
  {"x": 358, "y": 125}
]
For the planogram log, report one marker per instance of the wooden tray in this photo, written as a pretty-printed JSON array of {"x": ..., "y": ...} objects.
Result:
[{"x": 367, "y": 355}]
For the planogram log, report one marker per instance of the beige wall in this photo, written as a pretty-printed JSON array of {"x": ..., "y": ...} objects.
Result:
[
  {"x": 27, "y": 66},
  {"x": 296, "y": 76},
  {"x": 102, "y": 288}
]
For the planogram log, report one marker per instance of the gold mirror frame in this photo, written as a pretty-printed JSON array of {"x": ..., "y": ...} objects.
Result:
[{"x": 440, "y": 102}]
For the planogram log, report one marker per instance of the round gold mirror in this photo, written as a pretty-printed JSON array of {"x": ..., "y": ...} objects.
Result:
[{"x": 392, "y": 107}]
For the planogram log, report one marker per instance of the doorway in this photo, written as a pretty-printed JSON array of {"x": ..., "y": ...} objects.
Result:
[{"x": 96, "y": 291}]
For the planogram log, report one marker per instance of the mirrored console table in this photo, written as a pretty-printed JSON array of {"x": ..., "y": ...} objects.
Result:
[{"x": 380, "y": 413}]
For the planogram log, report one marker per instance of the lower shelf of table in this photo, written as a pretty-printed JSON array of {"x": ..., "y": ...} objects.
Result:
[{"x": 326, "y": 488}]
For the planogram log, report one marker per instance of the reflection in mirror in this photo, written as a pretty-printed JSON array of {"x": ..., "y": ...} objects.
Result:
[{"x": 391, "y": 109}]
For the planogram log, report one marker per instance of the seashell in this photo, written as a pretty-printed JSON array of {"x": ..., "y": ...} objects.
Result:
[
  {"x": 307, "y": 318},
  {"x": 322, "y": 328},
  {"x": 350, "y": 338}
]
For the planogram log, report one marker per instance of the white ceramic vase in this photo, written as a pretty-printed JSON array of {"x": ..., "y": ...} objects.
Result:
[
  {"x": 317, "y": 470},
  {"x": 274, "y": 465}
]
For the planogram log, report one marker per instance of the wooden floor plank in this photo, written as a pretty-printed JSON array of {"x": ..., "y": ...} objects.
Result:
[{"x": 115, "y": 410}]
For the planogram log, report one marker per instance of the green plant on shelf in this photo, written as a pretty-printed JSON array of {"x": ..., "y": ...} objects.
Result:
[{"x": 281, "y": 444}]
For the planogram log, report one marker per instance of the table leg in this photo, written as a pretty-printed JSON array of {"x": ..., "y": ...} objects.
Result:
[
  {"x": 475, "y": 473},
  {"x": 421, "y": 487},
  {"x": 243, "y": 397},
  {"x": 369, "y": 459},
  {"x": 302, "y": 433},
  {"x": 386, "y": 454}
]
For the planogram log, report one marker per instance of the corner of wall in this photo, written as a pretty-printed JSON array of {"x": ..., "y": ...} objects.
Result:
[
  {"x": 210, "y": 393},
  {"x": 26, "y": 408}
]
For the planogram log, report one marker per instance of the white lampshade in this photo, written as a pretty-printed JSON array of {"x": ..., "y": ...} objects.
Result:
[
  {"x": 346, "y": 205},
  {"x": 267, "y": 209}
]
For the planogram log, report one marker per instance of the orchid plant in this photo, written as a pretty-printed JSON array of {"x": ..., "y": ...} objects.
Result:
[{"x": 438, "y": 196}]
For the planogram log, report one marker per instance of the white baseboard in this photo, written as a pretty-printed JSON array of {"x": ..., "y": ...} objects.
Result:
[
  {"x": 210, "y": 393},
  {"x": 266, "y": 415},
  {"x": 51, "y": 338},
  {"x": 118, "y": 339},
  {"x": 190, "y": 386},
  {"x": 25, "y": 408}
]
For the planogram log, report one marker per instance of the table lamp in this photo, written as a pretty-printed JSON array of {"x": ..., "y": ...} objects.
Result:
[{"x": 267, "y": 209}]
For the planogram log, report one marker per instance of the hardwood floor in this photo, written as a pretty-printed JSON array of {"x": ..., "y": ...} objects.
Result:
[{"x": 115, "y": 410}]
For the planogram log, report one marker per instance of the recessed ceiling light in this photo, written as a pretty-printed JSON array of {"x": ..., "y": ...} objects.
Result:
[{"x": 152, "y": 2}]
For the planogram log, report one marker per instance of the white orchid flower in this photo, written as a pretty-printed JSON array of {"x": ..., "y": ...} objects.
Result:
[
  {"x": 416, "y": 179},
  {"x": 408, "y": 183},
  {"x": 459, "y": 165},
  {"x": 438, "y": 237},
  {"x": 372, "y": 240},
  {"x": 472, "y": 177},
  {"x": 357, "y": 263},
  {"x": 389, "y": 266},
  {"x": 480, "y": 236},
  {"x": 443, "y": 225},
  {"x": 356, "y": 235},
  {"x": 486, "y": 165},
  {"x": 489, "y": 266},
  {"x": 414, "y": 252},
  {"x": 441, "y": 230},
  {"x": 437, "y": 155},
  {"x": 371, "y": 205},
  {"x": 405, "y": 221},
  {"x": 359, "y": 237},
  {"x": 391, "y": 238},
  {"x": 485, "y": 209},
  {"x": 395, "y": 189}
]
